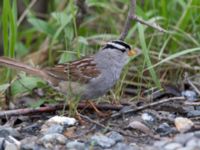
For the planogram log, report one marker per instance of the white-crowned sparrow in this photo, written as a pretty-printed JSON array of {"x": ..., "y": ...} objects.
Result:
[{"x": 89, "y": 77}]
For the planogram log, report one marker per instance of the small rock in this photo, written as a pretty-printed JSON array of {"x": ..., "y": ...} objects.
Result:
[
  {"x": 29, "y": 143},
  {"x": 10, "y": 146},
  {"x": 197, "y": 107},
  {"x": 2, "y": 141},
  {"x": 160, "y": 144},
  {"x": 197, "y": 134},
  {"x": 172, "y": 146},
  {"x": 102, "y": 141},
  {"x": 14, "y": 141},
  {"x": 137, "y": 125},
  {"x": 115, "y": 136},
  {"x": 164, "y": 129},
  {"x": 183, "y": 138},
  {"x": 149, "y": 147},
  {"x": 31, "y": 128},
  {"x": 183, "y": 124},
  {"x": 185, "y": 148},
  {"x": 50, "y": 140},
  {"x": 57, "y": 124},
  {"x": 187, "y": 109},
  {"x": 62, "y": 120},
  {"x": 6, "y": 131},
  {"x": 123, "y": 146},
  {"x": 193, "y": 143},
  {"x": 148, "y": 117},
  {"x": 53, "y": 129},
  {"x": 189, "y": 95},
  {"x": 193, "y": 113},
  {"x": 75, "y": 145}
]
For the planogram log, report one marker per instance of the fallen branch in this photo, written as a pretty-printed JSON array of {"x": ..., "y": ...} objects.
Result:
[
  {"x": 48, "y": 109},
  {"x": 147, "y": 106}
]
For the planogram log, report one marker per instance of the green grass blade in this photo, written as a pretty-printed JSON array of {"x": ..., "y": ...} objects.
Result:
[
  {"x": 13, "y": 30},
  {"x": 146, "y": 54},
  {"x": 5, "y": 26},
  {"x": 176, "y": 55}
]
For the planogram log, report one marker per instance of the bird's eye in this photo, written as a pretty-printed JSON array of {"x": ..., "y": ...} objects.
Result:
[{"x": 122, "y": 50}]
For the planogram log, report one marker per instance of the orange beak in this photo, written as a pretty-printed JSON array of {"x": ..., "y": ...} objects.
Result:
[{"x": 132, "y": 52}]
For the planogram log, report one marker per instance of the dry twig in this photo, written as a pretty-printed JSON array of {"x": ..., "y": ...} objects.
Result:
[
  {"x": 127, "y": 25},
  {"x": 106, "y": 127},
  {"x": 32, "y": 3},
  {"x": 147, "y": 106},
  {"x": 193, "y": 86},
  {"x": 132, "y": 16}
]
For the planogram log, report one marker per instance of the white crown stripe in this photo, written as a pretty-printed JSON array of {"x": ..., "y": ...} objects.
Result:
[{"x": 117, "y": 45}]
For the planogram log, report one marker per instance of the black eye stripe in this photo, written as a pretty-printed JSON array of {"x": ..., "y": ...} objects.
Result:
[
  {"x": 123, "y": 44},
  {"x": 113, "y": 47}
]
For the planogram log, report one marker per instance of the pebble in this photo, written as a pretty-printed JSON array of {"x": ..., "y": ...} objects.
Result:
[
  {"x": 148, "y": 117},
  {"x": 102, "y": 141},
  {"x": 185, "y": 148},
  {"x": 183, "y": 138},
  {"x": 29, "y": 143},
  {"x": 75, "y": 145},
  {"x": 123, "y": 146},
  {"x": 31, "y": 129},
  {"x": 172, "y": 146},
  {"x": 62, "y": 120},
  {"x": 2, "y": 141},
  {"x": 189, "y": 95},
  {"x": 183, "y": 124},
  {"x": 13, "y": 140},
  {"x": 193, "y": 113},
  {"x": 197, "y": 107},
  {"x": 53, "y": 129},
  {"x": 197, "y": 134},
  {"x": 57, "y": 124},
  {"x": 160, "y": 143},
  {"x": 10, "y": 146},
  {"x": 140, "y": 126},
  {"x": 164, "y": 129},
  {"x": 187, "y": 141},
  {"x": 50, "y": 140},
  {"x": 193, "y": 143},
  {"x": 6, "y": 131},
  {"x": 115, "y": 136}
]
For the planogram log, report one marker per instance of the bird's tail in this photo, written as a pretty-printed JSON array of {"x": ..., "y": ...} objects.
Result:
[{"x": 12, "y": 63}]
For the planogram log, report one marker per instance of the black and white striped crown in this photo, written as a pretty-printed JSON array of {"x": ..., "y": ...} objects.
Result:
[{"x": 118, "y": 45}]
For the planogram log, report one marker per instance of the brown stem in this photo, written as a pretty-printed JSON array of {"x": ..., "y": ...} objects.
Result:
[
  {"x": 127, "y": 25},
  {"x": 46, "y": 109},
  {"x": 132, "y": 16}
]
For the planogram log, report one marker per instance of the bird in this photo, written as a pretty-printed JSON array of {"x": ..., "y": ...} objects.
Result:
[{"x": 89, "y": 77}]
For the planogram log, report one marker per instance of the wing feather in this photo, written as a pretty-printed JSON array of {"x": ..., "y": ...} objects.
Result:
[{"x": 81, "y": 71}]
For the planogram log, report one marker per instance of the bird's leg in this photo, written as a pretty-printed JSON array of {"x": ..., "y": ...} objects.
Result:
[
  {"x": 78, "y": 117},
  {"x": 99, "y": 113},
  {"x": 73, "y": 104}
]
